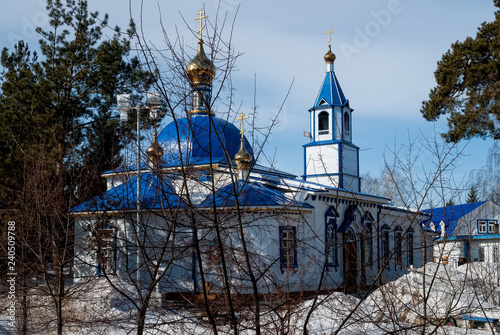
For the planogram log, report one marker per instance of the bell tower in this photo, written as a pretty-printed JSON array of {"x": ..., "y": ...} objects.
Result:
[{"x": 330, "y": 158}]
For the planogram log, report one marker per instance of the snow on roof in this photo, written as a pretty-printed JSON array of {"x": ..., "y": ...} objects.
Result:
[
  {"x": 251, "y": 194},
  {"x": 156, "y": 193}
]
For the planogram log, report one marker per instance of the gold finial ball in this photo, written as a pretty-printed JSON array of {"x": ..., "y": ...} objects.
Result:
[
  {"x": 154, "y": 150},
  {"x": 330, "y": 56},
  {"x": 200, "y": 70},
  {"x": 243, "y": 156}
]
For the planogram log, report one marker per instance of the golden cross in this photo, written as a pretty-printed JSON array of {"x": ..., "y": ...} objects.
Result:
[
  {"x": 242, "y": 117},
  {"x": 201, "y": 17},
  {"x": 329, "y": 32}
]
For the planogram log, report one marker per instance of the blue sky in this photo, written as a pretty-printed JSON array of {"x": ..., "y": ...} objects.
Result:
[{"x": 386, "y": 51}]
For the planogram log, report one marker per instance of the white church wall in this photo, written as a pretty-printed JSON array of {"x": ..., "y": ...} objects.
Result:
[
  {"x": 338, "y": 123},
  {"x": 351, "y": 183},
  {"x": 350, "y": 160},
  {"x": 322, "y": 159}
]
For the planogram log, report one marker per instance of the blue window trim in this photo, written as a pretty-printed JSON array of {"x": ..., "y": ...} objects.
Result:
[
  {"x": 487, "y": 223},
  {"x": 324, "y": 131},
  {"x": 331, "y": 216},
  {"x": 385, "y": 250},
  {"x": 369, "y": 237},
  {"x": 486, "y": 226},
  {"x": 398, "y": 245},
  {"x": 283, "y": 264},
  {"x": 410, "y": 256},
  {"x": 331, "y": 222}
]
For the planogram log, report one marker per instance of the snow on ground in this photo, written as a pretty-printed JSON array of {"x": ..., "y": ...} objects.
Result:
[{"x": 399, "y": 306}]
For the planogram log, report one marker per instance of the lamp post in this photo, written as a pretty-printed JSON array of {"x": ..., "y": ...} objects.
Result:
[{"x": 153, "y": 102}]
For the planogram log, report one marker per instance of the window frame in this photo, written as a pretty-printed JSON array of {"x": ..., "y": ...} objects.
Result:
[
  {"x": 410, "y": 256},
  {"x": 482, "y": 254},
  {"x": 493, "y": 223},
  {"x": 331, "y": 243},
  {"x": 106, "y": 249},
  {"x": 323, "y": 123},
  {"x": 398, "y": 246},
  {"x": 368, "y": 240},
  {"x": 482, "y": 226},
  {"x": 288, "y": 247},
  {"x": 385, "y": 245}
]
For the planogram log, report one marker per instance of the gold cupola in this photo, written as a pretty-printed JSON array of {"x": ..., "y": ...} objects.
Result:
[
  {"x": 154, "y": 152},
  {"x": 330, "y": 56},
  {"x": 243, "y": 157},
  {"x": 200, "y": 70}
]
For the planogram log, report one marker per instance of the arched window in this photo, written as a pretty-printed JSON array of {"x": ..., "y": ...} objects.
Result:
[
  {"x": 368, "y": 247},
  {"x": 347, "y": 126},
  {"x": 409, "y": 243},
  {"x": 105, "y": 240},
  {"x": 323, "y": 123},
  {"x": 351, "y": 237},
  {"x": 331, "y": 243},
  {"x": 288, "y": 247},
  {"x": 398, "y": 240},
  {"x": 384, "y": 244}
]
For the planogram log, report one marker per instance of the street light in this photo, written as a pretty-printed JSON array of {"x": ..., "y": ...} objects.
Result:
[
  {"x": 123, "y": 104},
  {"x": 153, "y": 104}
]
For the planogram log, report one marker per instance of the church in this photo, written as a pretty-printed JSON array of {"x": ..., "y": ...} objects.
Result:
[{"x": 203, "y": 214}]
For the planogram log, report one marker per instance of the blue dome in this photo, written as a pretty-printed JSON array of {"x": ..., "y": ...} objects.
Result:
[{"x": 197, "y": 139}]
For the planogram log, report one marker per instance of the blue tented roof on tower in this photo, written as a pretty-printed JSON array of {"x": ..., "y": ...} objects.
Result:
[
  {"x": 156, "y": 193},
  {"x": 449, "y": 215},
  {"x": 330, "y": 92}
]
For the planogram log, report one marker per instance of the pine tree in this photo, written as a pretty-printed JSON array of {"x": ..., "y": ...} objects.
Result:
[
  {"x": 63, "y": 102},
  {"x": 472, "y": 196},
  {"x": 468, "y": 80},
  {"x": 57, "y": 133}
]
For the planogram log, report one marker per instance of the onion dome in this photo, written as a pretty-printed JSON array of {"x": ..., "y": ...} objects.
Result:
[
  {"x": 330, "y": 56},
  {"x": 200, "y": 139},
  {"x": 154, "y": 150},
  {"x": 242, "y": 157},
  {"x": 200, "y": 70}
]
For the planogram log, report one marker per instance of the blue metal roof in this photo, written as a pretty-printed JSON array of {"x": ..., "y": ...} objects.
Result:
[
  {"x": 450, "y": 215},
  {"x": 250, "y": 194},
  {"x": 199, "y": 137},
  {"x": 156, "y": 193},
  {"x": 330, "y": 92}
]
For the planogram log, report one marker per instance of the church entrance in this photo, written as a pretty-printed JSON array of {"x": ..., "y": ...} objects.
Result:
[{"x": 350, "y": 260}]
